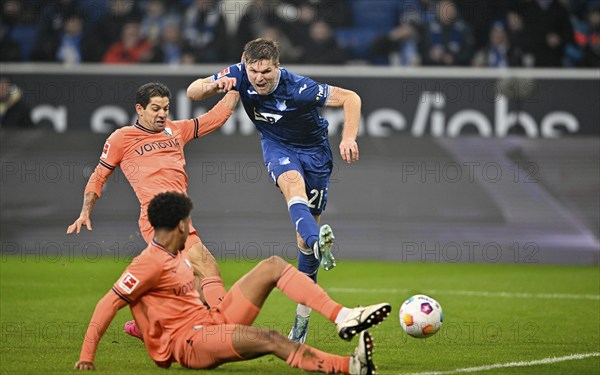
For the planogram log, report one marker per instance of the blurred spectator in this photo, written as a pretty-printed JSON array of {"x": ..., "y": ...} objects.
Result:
[
  {"x": 498, "y": 53},
  {"x": 548, "y": 30},
  {"x": 64, "y": 46},
  {"x": 296, "y": 22},
  {"x": 515, "y": 30},
  {"x": 322, "y": 47},
  {"x": 10, "y": 14},
  {"x": 288, "y": 52},
  {"x": 14, "y": 112},
  {"x": 481, "y": 15},
  {"x": 587, "y": 37},
  {"x": 172, "y": 49},
  {"x": 9, "y": 50},
  {"x": 153, "y": 21},
  {"x": 205, "y": 30},
  {"x": 448, "y": 39},
  {"x": 336, "y": 13},
  {"x": 51, "y": 26},
  {"x": 108, "y": 29},
  {"x": 400, "y": 43},
  {"x": 132, "y": 48},
  {"x": 256, "y": 17},
  {"x": 69, "y": 49}
]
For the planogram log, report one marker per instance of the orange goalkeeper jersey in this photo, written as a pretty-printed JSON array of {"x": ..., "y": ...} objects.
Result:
[{"x": 153, "y": 162}]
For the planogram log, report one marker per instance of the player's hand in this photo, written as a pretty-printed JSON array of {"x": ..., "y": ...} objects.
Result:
[
  {"x": 224, "y": 84},
  {"x": 81, "y": 220},
  {"x": 349, "y": 150},
  {"x": 85, "y": 366}
]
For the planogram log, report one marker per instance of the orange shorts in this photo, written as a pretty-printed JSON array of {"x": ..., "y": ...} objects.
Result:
[
  {"x": 148, "y": 233},
  {"x": 210, "y": 344}
]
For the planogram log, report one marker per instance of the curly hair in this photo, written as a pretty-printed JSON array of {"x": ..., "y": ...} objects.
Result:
[{"x": 166, "y": 210}]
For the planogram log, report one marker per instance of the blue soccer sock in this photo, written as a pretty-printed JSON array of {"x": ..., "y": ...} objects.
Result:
[
  {"x": 303, "y": 221},
  {"x": 308, "y": 264},
  {"x": 308, "y": 229}
]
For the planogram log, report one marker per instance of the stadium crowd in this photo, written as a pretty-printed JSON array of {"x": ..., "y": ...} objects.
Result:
[{"x": 491, "y": 33}]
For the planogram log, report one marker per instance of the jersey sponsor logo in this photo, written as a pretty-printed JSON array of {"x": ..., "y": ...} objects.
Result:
[
  {"x": 302, "y": 89},
  {"x": 267, "y": 117},
  {"x": 168, "y": 132},
  {"x": 128, "y": 283},
  {"x": 105, "y": 150},
  {"x": 223, "y": 73},
  {"x": 321, "y": 93},
  {"x": 149, "y": 147},
  {"x": 185, "y": 288},
  {"x": 280, "y": 105}
]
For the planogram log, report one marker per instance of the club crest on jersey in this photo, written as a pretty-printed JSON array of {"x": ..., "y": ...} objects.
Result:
[
  {"x": 105, "y": 150},
  {"x": 280, "y": 105},
  {"x": 168, "y": 132},
  {"x": 223, "y": 73},
  {"x": 266, "y": 117},
  {"x": 128, "y": 283}
]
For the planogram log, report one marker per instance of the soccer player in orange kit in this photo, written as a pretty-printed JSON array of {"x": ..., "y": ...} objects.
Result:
[
  {"x": 176, "y": 327},
  {"x": 150, "y": 154}
]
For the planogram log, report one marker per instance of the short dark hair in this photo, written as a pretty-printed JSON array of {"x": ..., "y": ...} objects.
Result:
[
  {"x": 166, "y": 210},
  {"x": 150, "y": 90},
  {"x": 261, "y": 49}
]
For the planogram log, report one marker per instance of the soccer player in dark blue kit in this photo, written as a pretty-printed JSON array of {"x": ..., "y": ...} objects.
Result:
[{"x": 284, "y": 107}]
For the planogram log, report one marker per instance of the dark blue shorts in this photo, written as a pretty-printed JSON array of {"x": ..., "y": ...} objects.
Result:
[{"x": 315, "y": 166}]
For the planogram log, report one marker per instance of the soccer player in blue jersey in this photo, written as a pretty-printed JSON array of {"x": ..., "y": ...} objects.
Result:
[{"x": 284, "y": 107}]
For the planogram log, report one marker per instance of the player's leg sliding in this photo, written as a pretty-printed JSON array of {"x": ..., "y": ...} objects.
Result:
[
  {"x": 361, "y": 362},
  {"x": 310, "y": 359},
  {"x": 350, "y": 322}
]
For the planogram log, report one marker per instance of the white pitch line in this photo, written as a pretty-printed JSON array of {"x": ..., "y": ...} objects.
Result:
[
  {"x": 543, "y": 361},
  {"x": 473, "y": 293}
]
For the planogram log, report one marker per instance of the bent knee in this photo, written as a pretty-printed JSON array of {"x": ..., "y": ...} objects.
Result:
[{"x": 274, "y": 263}]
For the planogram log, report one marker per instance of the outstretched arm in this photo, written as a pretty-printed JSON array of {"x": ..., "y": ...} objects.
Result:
[
  {"x": 351, "y": 103},
  {"x": 92, "y": 192},
  {"x": 202, "y": 88},
  {"x": 105, "y": 311}
]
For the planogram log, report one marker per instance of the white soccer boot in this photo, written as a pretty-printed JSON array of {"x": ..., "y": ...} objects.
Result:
[
  {"x": 361, "y": 318},
  {"x": 361, "y": 362}
]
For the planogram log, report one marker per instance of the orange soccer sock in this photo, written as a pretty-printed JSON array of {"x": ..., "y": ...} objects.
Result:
[
  {"x": 302, "y": 289},
  {"x": 213, "y": 290},
  {"x": 311, "y": 359}
]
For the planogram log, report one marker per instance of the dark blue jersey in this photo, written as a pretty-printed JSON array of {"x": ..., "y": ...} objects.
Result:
[{"x": 290, "y": 114}]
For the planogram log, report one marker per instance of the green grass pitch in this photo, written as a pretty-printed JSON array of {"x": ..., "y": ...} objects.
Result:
[{"x": 493, "y": 314}]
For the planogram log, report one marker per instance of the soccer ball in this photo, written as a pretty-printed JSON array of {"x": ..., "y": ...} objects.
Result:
[{"x": 421, "y": 316}]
